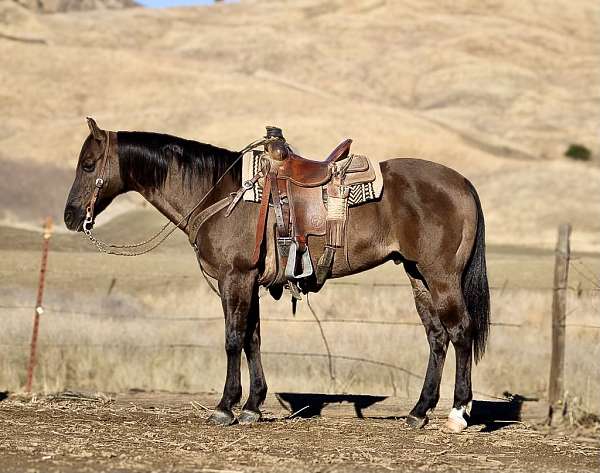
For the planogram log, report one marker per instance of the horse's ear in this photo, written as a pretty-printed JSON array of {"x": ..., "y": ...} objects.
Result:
[{"x": 95, "y": 130}]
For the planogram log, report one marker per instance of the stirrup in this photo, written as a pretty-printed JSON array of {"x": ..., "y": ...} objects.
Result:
[
  {"x": 294, "y": 292},
  {"x": 306, "y": 267},
  {"x": 324, "y": 265}
]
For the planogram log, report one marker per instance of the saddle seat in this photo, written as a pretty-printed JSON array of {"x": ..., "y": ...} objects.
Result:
[{"x": 310, "y": 173}]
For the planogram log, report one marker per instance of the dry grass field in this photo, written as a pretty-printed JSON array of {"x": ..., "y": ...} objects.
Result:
[{"x": 153, "y": 323}]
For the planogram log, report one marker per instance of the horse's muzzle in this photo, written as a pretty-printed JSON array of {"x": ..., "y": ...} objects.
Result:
[{"x": 74, "y": 217}]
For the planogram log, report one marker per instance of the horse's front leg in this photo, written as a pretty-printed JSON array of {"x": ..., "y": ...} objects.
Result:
[
  {"x": 258, "y": 386},
  {"x": 237, "y": 291}
]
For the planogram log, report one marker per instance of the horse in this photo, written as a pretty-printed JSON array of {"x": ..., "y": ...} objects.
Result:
[{"x": 429, "y": 219}]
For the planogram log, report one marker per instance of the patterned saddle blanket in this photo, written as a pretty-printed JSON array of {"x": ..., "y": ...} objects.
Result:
[{"x": 364, "y": 178}]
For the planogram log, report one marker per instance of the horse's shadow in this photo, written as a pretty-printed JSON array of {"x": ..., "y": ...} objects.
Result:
[
  {"x": 493, "y": 415},
  {"x": 307, "y": 405}
]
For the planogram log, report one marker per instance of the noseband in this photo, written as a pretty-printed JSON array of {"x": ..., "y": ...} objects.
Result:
[{"x": 100, "y": 180}]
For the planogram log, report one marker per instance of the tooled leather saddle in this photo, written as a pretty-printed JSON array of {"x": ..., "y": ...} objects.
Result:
[{"x": 308, "y": 198}]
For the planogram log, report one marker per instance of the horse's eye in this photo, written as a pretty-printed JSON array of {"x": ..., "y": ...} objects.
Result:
[{"x": 88, "y": 166}]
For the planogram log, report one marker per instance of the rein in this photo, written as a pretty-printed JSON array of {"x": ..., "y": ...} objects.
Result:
[{"x": 164, "y": 232}]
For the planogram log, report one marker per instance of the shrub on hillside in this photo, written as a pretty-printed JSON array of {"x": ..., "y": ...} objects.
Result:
[{"x": 578, "y": 152}]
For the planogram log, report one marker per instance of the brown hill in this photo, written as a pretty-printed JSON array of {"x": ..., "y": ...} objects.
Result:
[{"x": 496, "y": 90}]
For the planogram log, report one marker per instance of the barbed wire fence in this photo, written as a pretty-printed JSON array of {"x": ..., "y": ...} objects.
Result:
[
  {"x": 583, "y": 270},
  {"x": 50, "y": 310}
]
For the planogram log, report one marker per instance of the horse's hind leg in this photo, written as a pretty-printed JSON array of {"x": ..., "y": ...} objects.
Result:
[
  {"x": 451, "y": 311},
  {"x": 438, "y": 344},
  {"x": 258, "y": 386}
]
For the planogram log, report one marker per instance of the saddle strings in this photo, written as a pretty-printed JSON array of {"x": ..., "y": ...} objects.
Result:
[{"x": 110, "y": 248}]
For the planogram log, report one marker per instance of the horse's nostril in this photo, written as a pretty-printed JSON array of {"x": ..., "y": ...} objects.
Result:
[{"x": 69, "y": 215}]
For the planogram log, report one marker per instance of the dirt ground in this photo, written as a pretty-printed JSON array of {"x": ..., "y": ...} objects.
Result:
[{"x": 167, "y": 432}]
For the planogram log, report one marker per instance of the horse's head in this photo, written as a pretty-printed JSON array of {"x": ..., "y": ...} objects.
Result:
[{"x": 97, "y": 178}]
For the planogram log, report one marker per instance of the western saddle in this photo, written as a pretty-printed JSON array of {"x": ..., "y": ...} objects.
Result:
[{"x": 308, "y": 198}]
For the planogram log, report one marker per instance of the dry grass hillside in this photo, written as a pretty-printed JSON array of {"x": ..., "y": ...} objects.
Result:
[{"x": 497, "y": 90}]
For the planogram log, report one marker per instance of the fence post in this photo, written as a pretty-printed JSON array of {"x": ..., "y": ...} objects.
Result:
[
  {"x": 38, "y": 304},
  {"x": 559, "y": 307}
]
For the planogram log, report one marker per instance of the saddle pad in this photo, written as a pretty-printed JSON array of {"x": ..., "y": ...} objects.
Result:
[{"x": 359, "y": 193}]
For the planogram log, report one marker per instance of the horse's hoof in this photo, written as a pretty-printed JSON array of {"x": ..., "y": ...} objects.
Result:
[
  {"x": 248, "y": 417},
  {"x": 219, "y": 417},
  {"x": 456, "y": 422},
  {"x": 416, "y": 422},
  {"x": 455, "y": 426}
]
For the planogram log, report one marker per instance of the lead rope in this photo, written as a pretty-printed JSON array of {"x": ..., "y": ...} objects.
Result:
[{"x": 109, "y": 248}]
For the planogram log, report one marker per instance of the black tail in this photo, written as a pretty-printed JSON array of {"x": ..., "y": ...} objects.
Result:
[{"x": 476, "y": 291}]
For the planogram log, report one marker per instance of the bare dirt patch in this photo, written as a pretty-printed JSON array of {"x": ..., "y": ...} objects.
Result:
[{"x": 164, "y": 432}]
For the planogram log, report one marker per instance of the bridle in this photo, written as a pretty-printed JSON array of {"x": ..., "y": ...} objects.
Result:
[{"x": 100, "y": 180}]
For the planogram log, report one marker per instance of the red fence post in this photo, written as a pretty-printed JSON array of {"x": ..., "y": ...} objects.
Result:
[{"x": 38, "y": 305}]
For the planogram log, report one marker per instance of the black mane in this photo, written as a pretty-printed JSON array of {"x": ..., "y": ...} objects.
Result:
[{"x": 145, "y": 158}]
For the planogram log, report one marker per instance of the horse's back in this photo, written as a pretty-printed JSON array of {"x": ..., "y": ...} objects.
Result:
[{"x": 419, "y": 172}]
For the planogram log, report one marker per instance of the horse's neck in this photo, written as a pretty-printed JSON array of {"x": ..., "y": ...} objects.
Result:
[{"x": 177, "y": 198}]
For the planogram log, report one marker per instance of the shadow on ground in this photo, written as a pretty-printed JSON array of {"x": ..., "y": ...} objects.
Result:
[
  {"x": 311, "y": 404},
  {"x": 493, "y": 415},
  {"x": 497, "y": 414}
]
